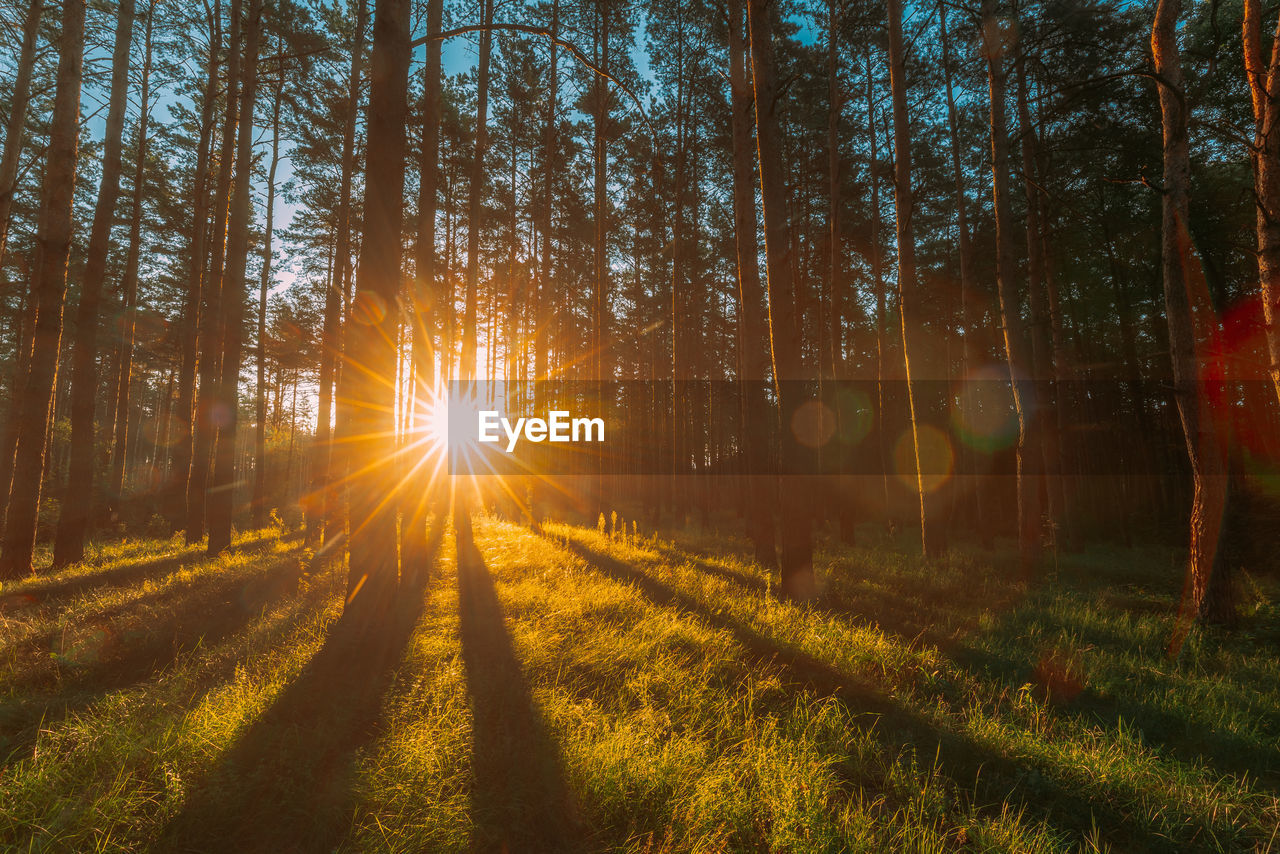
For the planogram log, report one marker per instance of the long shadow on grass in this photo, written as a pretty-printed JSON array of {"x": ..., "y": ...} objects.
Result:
[
  {"x": 520, "y": 800},
  {"x": 109, "y": 658},
  {"x": 121, "y": 576},
  {"x": 1180, "y": 736},
  {"x": 908, "y": 621},
  {"x": 286, "y": 782},
  {"x": 994, "y": 776}
]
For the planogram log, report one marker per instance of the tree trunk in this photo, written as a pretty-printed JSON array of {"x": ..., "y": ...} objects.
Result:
[
  {"x": 50, "y": 289},
  {"x": 120, "y": 443},
  {"x": 221, "y": 495},
  {"x": 909, "y": 302},
  {"x": 13, "y": 132},
  {"x": 77, "y": 500},
  {"x": 370, "y": 342},
  {"x": 1193, "y": 329},
  {"x": 796, "y": 559},
  {"x": 752, "y": 362},
  {"x": 467, "y": 366},
  {"x": 176, "y": 503},
  {"x": 1007, "y": 290},
  {"x": 338, "y": 298},
  {"x": 211, "y": 316},
  {"x": 264, "y": 285},
  {"x": 12, "y": 425},
  {"x": 425, "y": 304},
  {"x": 1264, "y": 86}
]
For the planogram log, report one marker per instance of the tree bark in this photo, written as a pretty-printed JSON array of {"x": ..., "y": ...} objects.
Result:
[
  {"x": 50, "y": 289},
  {"x": 336, "y": 299},
  {"x": 176, "y": 503},
  {"x": 129, "y": 288},
  {"x": 211, "y": 315},
  {"x": 796, "y": 558},
  {"x": 14, "y": 129},
  {"x": 1007, "y": 289},
  {"x": 426, "y": 305},
  {"x": 370, "y": 342},
  {"x": 1193, "y": 329},
  {"x": 1264, "y": 87},
  {"x": 264, "y": 285},
  {"x": 467, "y": 361},
  {"x": 909, "y": 302},
  {"x": 235, "y": 289},
  {"x": 77, "y": 500},
  {"x": 752, "y": 360}
]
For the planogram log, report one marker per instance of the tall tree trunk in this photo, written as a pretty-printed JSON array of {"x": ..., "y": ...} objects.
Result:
[
  {"x": 211, "y": 315},
  {"x": 909, "y": 302},
  {"x": 370, "y": 340},
  {"x": 77, "y": 500},
  {"x": 12, "y": 425},
  {"x": 426, "y": 303},
  {"x": 1264, "y": 86},
  {"x": 1042, "y": 368},
  {"x": 50, "y": 289},
  {"x": 467, "y": 366},
  {"x": 752, "y": 360},
  {"x": 129, "y": 288},
  {"x": 601, "y": 366},
  {"x": 966, "y": 264},
  {"x": 176, "y": 492},
  {"x": 1193, "y": 329},
  {"x": 264, "y": 285},
  {"x": 877, "y": 280},
  {"x": 542, "y": 298},
  {"x": 1007, "y": 289},
  {"x": 338, "y": 297},
  {"x": 796, "y": 559},
  {"x": 221, "y": 497},
  {"x": 14, "y": 129}
]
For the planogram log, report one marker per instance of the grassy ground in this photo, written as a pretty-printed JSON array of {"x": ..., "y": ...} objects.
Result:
[{"x": 578, "y": 691}]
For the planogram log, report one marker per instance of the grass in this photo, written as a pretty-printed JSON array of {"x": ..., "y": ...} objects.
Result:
[{"x": 576, "y": 690}]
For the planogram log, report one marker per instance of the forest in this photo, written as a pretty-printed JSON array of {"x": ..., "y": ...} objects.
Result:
[{"x": 585, "y": 425}]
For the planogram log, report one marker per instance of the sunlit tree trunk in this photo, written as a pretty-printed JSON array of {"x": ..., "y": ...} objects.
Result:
[
  {"x": 326, "y": 461},
  {"x": 264, "y": 285},
  {"x": 796, "y": 558},
  {"x": 909, "y": 298},
  {"x": 211, "y": 313},
  {"x": 467, "y": 364},
  {"x": 77, "y": 500},
  {"x": 1193, "y": 330},
  {"x": 370, "y": 338},
  {"x": 235, "y": 288},
  {"x": 129, "y": 288},
  {"x": 1009, "y": 296},
  {"x": 180, "y": 469},
  {"x": 753, "y": 364},
  {"x": 1264, "y": 87},
  {"x": 49, "y": 288},
  {"x": 425, "y": 303}
]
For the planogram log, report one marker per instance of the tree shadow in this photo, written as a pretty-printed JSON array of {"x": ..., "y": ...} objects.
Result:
[
  {"x": 1176, "y": 735},
  {"x": 994, "y": 777},
  {"x": 121, "y": 576},
  {"x": 286, "y": 784},
  {"x": 908, "y": 622},
  {"x": 521, "y": 800},
  {"x": 108, "y": 655}
]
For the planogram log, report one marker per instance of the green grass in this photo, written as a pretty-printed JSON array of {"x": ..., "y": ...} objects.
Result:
[{"x": 579, "y": 691}]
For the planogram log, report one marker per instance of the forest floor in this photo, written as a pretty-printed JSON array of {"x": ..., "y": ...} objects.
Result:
[{"x": 578, "y": 691}]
